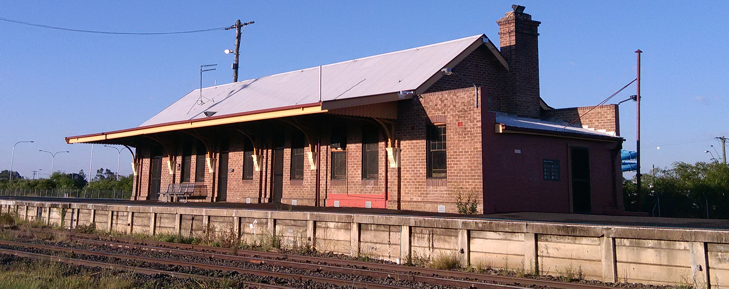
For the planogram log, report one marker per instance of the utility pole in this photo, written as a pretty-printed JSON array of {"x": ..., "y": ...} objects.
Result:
[
  {"x": 237, "y": 26},
  {"x": 638, "y": 189},
  {"x": 723, "y": 146}
]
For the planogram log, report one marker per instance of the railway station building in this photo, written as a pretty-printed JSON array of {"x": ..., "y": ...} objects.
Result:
[{"x": 424, "y": 129}]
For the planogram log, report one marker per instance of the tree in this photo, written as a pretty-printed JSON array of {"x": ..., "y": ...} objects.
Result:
[
  {"x": 5, "y": 175},
  {"x": 685, "y": 190},
  {"x": 105, "y": 180},
  {"x": 104, "y": 174}
]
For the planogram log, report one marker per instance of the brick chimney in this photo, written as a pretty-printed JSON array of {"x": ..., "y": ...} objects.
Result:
[{"x": 519, "y": 45}]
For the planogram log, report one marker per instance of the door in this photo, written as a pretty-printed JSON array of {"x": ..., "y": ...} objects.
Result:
[
  {"x": 278, "y": 169},
  {"x": 155, "y": 177},
  {"x": 581, "y": 201},
  {"x": 223, "y": 177}
]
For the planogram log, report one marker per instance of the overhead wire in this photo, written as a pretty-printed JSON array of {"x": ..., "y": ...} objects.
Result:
[
  {"x": 109, "y": 32},
  {"x": 601, "y": 103}
]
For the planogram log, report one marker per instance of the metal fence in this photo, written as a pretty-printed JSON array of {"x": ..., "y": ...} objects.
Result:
[{"x": 86, "y": 194}]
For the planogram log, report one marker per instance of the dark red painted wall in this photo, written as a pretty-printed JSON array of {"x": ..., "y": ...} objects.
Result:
[{"x": 514, "y": 182}]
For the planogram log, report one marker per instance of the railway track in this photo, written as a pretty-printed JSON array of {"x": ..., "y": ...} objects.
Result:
[
  {"x": 416, "y": 273},
  {"x": 319, "y": 270}
]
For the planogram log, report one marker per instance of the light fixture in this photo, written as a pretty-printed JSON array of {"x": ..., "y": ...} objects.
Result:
[
  {"x": 209, "y": 113},
  {"x": 228, "y": 51},
  {"x": 405, "y": 94},
  {"x": 449, "y": 71}
]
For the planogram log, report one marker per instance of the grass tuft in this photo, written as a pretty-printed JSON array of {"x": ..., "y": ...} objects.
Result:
[{"x": 445, "y": 261}]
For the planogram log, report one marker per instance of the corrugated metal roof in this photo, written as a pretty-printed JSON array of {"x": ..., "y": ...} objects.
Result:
[
  {"x": 529, "y": 123},
  {"x": 386, "y": 73}
]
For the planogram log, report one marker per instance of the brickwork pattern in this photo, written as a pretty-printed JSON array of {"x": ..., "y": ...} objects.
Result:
[
  {"x": 481, "y": 67},
  {"x": 463, "y": 135},
  {"x": 239, "y": 190},
  {"x": 598, "y": 117},
  {"x": 520, "y": 46}
]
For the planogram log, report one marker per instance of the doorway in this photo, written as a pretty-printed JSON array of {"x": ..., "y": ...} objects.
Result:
[
  {"x": 155, "y": 173},
  {"x": 223, "y": 173},
  {"x": 581, "y": 200},
  {"x": 278, "y": 168}
]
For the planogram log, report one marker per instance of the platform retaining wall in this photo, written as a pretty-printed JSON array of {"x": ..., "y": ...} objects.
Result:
[{"x": 651, "y": 255}]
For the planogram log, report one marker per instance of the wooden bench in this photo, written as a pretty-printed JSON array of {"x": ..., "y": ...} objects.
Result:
[{"x": 185, "y": 191}]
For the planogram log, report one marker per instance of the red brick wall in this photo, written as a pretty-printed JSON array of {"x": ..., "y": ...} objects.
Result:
[
  {"x": 520, "y": 46},
  {"x": 354, "y": 190},
  {"x": 144, "y": 172},
  {"x": 481, "y": 67},
  {"x": 239, "y": 190},
  {"x": 597, "y": 117},
  {"x": 463, "y": 147}
]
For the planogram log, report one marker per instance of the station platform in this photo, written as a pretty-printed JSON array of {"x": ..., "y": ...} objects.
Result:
[{"x": 558, "y": 218}]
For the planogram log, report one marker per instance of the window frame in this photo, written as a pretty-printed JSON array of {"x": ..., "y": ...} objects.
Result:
[
  {"x": 247, "y": 169},
  {"x": 370, "y": 147},
  {"x": 338, "y": 148},
  {"x": 436, "y": 143},
  {"x": 185, "y": 172},
  {"x": 200, "y": 167},
  {"x": 298, "y": 142}
]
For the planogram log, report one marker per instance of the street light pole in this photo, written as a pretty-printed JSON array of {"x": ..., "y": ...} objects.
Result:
[
  {"x": 117, "y": 159},
  {"x": 712, "y": 155},
  {"x": 640, "y": 202},
  {"x": 53, "y": 159},
  {"x": 12, "y": 157}
]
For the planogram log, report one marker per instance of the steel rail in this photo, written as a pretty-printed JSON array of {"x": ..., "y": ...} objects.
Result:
[
  {"x": 407, "y": 276},
  {"x": 415, "y": 271},
  {"x": 140, "y": 270},
  {"x": 323, "y": 280}
]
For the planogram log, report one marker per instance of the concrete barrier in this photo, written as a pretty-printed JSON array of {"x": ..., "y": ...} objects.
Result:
[{"x": 650, "y": 255}]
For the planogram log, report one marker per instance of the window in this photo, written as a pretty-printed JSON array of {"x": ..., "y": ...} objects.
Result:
[
  {"x": 200, "y": 163},
  {"x": 551, "y": 170},
  {"x": 338, "y": 144},
  {"x": 370, "y": 142},
  {"x": 297, "y": 156},
  {"x": 186, "y": 160},
  {"x": 436, "y": 155},
  {"x": 247, "y": 160}
]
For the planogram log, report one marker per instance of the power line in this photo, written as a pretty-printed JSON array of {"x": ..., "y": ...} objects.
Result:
[
  {"x": 601, "y": 103},
  {"x": 110, "y": 32}
]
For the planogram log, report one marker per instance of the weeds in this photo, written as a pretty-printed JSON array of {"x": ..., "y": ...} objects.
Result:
[
  {"x": 445, "y": 261},
  {"x": 469, "y": 206},
  {"x": 570, "y": 275},
  {"x": 7, "y": 220},
  {"x": 416, "y": 261},
  {"x": 479, "y": 268},
  {"x": 86, "y": 229},
  {"x": 269, "y": 241},
  {"x": 63, "y": 217},
  {"x": 175, "y": 238}
]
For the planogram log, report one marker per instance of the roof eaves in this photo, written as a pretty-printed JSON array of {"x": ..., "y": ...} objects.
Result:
[
  {"x": 503, "y": 128},
  {"x": 311, "y": 108},
  {"x": 496, "y": 52},
  {"x": 461, "y": 56}
]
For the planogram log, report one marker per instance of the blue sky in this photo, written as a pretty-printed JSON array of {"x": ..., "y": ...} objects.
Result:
[{"x": 55, "y": 84}]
